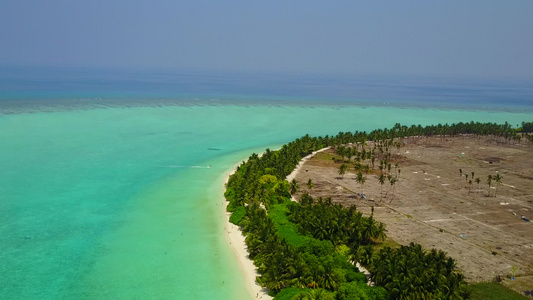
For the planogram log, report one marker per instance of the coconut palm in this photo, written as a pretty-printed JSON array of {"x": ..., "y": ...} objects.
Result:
[
  {"x": 489, "y": 182},
  {"x": 361, "y": 180},
  {"x": 342, "y": 169},
  {"x": 364, "y": 255},
  {"x": 310, "y": 184},
  {"x": 293, "y": 187},
  {"x": 341, "y": 151},
  {"x": 392, "y": 181},
  {"x": 381, "y": 179},
  {"x": 498, "y": 178}
]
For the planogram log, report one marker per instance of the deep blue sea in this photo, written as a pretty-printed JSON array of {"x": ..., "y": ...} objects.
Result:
[
  {"x": 98, "y": 86},
  {"x": 111, "y": 181}
]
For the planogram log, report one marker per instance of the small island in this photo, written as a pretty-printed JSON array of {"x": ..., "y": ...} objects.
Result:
[{"x": 387, "y": 202}]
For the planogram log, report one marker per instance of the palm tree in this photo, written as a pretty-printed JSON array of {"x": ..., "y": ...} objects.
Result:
[
  {"x": 310, "y": 184},
  {"x": 461, "y": 177},
  {"x": 342, "y": 169},
  {"x": 380, "y": 231},
  {"x": 315, "y": 294},
  {"x": 478, "y": 181},
  {"x": 361, "y": 180},
  {"x": 489, "y": 181},
  {"x": 498, "y": 180},
  {"x": 392, "y": 181},
  {"x": 293, "y": 187},
  {"x": 364, "y": 255},
  {"x": 381, "y": 179},
  {"x": 341, "y": 151}
]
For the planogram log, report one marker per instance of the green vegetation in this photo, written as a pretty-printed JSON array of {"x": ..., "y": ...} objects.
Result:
[
  {"x": 305, "y": 250},
  {"x": 409, "y": 272},
  {"x": 238, "y": 214},
  {"x": 342, "y": 169},
  {"x": 493, "y": 291},
  {"x": 287, "y": 230},
  {"x": 289, "y": 293},
  {"x": 326, "y": 221},
  {"x": 358, "y": 290},
  {"x": 324, "y": 156},
  {"x": 294, "y": 187},
  {"x": 321, "y": 294},
  {"x": 314, "y": 264},
  {"x": 527, "y": 127}
]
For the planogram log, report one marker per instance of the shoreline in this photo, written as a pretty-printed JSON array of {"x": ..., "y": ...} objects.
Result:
[
  {"x": 296, "y": 170},
  {"x": 236, "y": 240}
]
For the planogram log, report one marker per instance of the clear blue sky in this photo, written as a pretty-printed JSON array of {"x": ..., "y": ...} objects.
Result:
[{"x": 453, "y": 37}]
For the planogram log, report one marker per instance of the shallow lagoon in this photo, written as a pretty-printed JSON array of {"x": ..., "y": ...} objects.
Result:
[{"x": 123, "y": 202}]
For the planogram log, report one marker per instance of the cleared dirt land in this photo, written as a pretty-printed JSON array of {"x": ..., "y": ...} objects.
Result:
[{"x": 433, "y": 205}]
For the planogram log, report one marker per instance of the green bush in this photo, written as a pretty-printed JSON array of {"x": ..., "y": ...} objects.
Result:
[
  {"x": 238, "y": 214},
  {"x": 288, "y": 293},
  {"x": 231, "y": 206}
]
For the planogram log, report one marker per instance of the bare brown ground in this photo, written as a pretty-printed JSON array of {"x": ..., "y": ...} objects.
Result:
[{"x": 432, "y": 205}]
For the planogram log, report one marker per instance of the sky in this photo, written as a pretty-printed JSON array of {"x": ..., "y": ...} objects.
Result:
[{"x": 447, "y": 38}]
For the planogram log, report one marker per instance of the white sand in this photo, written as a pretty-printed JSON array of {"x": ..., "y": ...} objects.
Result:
[
  {"x": 236, "y": 240},
  {"x": 292, "y": 175},
  {"x": 367, "y": 274}
]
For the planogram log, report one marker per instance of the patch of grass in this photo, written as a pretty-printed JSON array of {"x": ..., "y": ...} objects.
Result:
[
  {"x": 286, "y": 229},
  {"x": 493, "y": 291},
  {"x": 388, "y": 242},
  {"x": 325, "y": 156},
  {"x": 324, "y": 159}
]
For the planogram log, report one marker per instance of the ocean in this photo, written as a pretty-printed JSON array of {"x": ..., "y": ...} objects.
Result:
[{"x": 111, "y": 181}]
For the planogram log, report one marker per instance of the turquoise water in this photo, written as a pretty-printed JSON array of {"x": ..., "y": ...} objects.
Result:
[{"x": 125, "y": 202}]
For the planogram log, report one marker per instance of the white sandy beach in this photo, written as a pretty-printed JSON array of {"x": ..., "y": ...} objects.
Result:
[{"x": 236, "y": 240}]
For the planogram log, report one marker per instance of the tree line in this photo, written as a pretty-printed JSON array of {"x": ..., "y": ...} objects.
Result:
[{"x": 336, "y": 236}]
